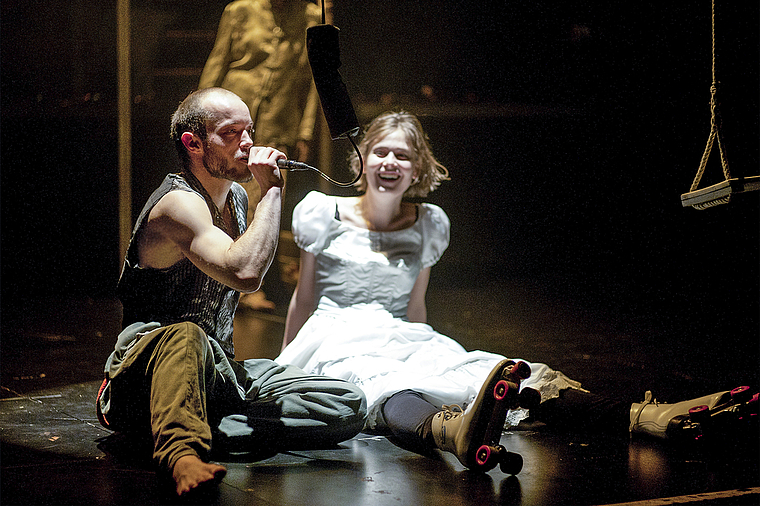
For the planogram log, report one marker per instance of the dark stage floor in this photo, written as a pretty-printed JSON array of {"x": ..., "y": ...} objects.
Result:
[{"x": 54, "y": 451}]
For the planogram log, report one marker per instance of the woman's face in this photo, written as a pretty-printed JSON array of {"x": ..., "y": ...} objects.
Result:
[{"x": 389, "y": 166}]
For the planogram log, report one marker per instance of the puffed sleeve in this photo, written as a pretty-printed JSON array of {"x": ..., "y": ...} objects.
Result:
[
  {"x": 435, "y": 233},
  {"x": 311, "y": 220}
]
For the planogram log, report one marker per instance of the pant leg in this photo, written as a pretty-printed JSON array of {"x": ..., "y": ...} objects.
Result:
[
  {"x": 408, "y": 416},
  {"x": 160, "y": 387},
  {"x": 178, "y": 384},
  {"x": 286, "y": 408}
]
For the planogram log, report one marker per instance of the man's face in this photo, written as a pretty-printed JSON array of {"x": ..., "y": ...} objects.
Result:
[{"x": 225, "y": 150}]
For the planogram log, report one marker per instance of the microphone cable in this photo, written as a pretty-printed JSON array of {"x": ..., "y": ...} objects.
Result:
[{"x": 295, "y": 166}]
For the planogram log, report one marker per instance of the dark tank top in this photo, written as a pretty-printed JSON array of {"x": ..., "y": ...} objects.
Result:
[{"x": 182, "y": 292}]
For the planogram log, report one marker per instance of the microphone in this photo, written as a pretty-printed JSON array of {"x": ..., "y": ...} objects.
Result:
[
  {"x": 293, "y": 165},
  {"x": 323, "y": 50}
]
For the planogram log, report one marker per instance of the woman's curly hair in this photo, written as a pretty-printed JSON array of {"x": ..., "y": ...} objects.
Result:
[{"x": 429, "y": 171}]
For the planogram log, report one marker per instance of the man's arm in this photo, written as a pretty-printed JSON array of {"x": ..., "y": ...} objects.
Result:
[{"x": 180, "y": 225}]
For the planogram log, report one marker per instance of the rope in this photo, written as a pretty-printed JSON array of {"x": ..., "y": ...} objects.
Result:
[{"x": 714, "y": 132}]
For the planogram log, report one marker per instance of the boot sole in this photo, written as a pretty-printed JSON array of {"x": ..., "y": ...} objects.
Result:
[
  {"x": 497, "y": 396},
  {"x": 732, "y": 416}
]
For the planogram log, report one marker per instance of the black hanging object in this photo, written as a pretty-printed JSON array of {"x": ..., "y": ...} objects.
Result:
[{"x": 323, "y": 48}]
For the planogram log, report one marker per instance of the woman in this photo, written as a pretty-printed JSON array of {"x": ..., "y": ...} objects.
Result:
[{"x": 358, "y": 312}]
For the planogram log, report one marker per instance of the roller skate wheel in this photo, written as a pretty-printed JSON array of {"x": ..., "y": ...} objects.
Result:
[
  {"x": 741, "y": 394},
  {"x": 500, "y": 390},
  {"x": 484, "y": 457},
  {"x": 521, "y": 370},
  {"x": 510, "y": 462},
  {"x": 699, "y": 413}
]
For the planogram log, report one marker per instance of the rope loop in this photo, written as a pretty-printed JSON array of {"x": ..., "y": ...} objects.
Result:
[{"x": 714, "y": 127}]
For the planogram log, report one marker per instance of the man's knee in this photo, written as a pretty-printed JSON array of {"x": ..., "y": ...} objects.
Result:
[
  {"x": 187, "y": 336},
  {"x": 188, "y": 330}
]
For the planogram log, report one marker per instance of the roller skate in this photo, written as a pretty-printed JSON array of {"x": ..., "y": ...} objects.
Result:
[
  {"x": 473, "y": 435},
  {"x": 722, "y": 414}
]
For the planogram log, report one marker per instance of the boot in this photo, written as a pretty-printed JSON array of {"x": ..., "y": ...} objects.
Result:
[
  {"x": 693, "y": 418},
  {"x": 448, "y": 433},
  {"x": 473, "y": 435}
]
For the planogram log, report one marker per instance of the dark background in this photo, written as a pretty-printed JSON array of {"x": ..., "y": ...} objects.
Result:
[{"x": 570, "y": 130}]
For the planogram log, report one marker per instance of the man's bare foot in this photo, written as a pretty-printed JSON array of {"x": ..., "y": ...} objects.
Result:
[{"x": 190, "y": 472}]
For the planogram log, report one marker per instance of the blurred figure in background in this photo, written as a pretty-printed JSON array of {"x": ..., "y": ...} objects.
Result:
[{"x": 260, "y": 55}]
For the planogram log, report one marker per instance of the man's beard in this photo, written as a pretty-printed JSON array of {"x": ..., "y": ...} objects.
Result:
[{"x": 219, "y": 167}]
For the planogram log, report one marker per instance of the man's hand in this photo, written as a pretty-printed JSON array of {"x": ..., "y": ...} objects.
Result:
[{"x": 262, "y": 162}]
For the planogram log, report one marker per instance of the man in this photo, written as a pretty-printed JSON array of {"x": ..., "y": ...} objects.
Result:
[{"x": 172, "y": 371}]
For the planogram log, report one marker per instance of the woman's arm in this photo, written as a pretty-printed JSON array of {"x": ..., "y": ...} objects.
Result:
[
  {"x": 303, "y": 301},
  {"x": 417, "y": 310}
]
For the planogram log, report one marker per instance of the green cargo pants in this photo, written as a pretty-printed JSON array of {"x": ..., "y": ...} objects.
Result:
[{"x": 177, "y": 384}]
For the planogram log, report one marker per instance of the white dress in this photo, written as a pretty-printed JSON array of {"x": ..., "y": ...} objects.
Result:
[{"x": 359, "y": 331}]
